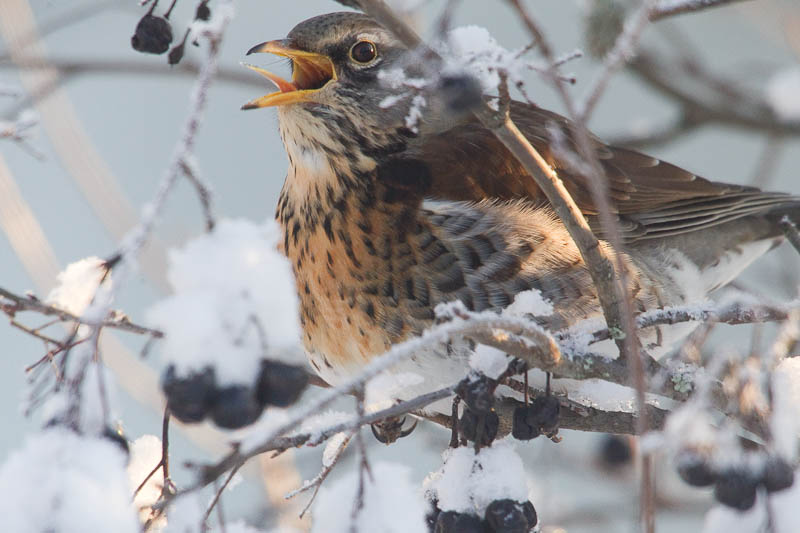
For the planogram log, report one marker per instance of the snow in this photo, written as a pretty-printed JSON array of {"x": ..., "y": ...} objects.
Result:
[
  {"x": 783, "y": 93},
  {"x": 252, "y": 436},
  {"x": 185, "y": 514},
  {"x": 77, "y": 284},
  {"x": 469, "y": 482},
  {"x": 64, "y": 482},
  {"x": 333, "y": 449},
  {"x": 529, "y": 302},
  {"x": 418, "y": 104},
  {"x": 382, "y": 390},
  {"x": 489, "y": 361},
  {"x": 392, "y": 503},
  {"x": 230, "y": 286},
  {"x": 472, "y": 48},
  {"x": 221, "y": 15},
  {"x": 783, "y": 505},
  {"x": 318, "y": 423},
  {"x": 145, "y": 454}
]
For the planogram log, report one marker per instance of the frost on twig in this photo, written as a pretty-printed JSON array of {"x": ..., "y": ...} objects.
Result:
[{"x": 20, "y": 129}]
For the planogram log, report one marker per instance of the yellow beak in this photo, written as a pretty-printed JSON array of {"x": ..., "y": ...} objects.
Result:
[{"x": 311, "y": 73}]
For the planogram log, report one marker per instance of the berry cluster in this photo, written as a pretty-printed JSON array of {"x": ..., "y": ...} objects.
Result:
[
  {"x": 501, "y": 516},
  {"x": 479, "y": 423},
  {"x": 153, "y": 34},
  {"x": 538, "y": 418},
  {"x": 194, "y": 397},
  {"x": 735, "y": 486}
]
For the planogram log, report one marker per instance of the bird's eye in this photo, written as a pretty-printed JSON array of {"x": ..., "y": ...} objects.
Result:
[{"x": 363, "y": 52}]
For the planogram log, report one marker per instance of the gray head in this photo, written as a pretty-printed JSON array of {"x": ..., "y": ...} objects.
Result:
[
  {"x": 335, "y": 91},
  {"x": 339, "y": 92}
]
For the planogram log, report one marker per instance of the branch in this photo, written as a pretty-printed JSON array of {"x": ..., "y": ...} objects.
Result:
[
  {"x": 275, "y": 441},
  {"x": 31, "y": 303},
  {"x": 724, "y": 105},
  {"x": 732, "y": 314}
]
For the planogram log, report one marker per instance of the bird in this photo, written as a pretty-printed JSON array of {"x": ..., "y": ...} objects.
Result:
[{"x": 383, "y": 221}]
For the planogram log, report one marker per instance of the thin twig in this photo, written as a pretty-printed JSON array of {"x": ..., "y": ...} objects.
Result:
[
  {"x": 320, "y": 478},
  {"x": 616, "y": 58},
  {"x": 30, "y": 303},
  {"x": 192, "y": 173},
  {"x": 218, "y": 494},
  {"x": 670, "y": 8}
]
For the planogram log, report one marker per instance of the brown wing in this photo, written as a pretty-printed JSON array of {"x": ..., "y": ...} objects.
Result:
[{"x": 651, "y": 197}]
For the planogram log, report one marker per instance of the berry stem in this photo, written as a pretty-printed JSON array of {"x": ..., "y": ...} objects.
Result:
[{"x": 169, "y": 11}]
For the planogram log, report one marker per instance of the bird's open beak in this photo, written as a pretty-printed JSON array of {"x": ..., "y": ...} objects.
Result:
[{"x": 311, "y": 72}]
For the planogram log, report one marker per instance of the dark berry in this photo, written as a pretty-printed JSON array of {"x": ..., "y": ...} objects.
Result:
[
  {"x": 280, "y": 384},
  {"x": 202, "y": 12},
  {"x": 736, "y": 488},
  {"x": 452, "y": 522},
  {"x": 176, "y": 54},
  {"x": 778, "y": 474},
  {"x": 695, "y": 470},
  {"x": 472, "y": 423},
  {"x": 477, "y": 392},
  {"x": 117, "y": 438},
  {"x": 521, "y": 429},
  {"x": 235, "y": 407},
  {"x": 506, "y": 516},
  {"x": 540, "y": 417},
  {"x": 546, "y": 409},
  {"x": 461, "y": 92},
  {"x": 615, "y": 451},
  {"x": 530, "y": 514},
  {"x": 153, "y": 35},
  {"x": 189, "y": 399}
]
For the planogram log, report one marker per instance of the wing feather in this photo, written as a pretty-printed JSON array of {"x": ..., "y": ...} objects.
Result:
[{"x": 652, "y": 198}]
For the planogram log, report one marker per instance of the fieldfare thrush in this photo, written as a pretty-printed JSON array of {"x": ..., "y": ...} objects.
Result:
[{"x": 383, "y": 222}]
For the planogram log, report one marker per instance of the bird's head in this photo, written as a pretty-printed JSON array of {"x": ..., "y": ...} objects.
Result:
[{"x": 336, "y": 95}]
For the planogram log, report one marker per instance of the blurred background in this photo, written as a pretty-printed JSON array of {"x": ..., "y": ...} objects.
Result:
[{"x": 109, "y": 118}]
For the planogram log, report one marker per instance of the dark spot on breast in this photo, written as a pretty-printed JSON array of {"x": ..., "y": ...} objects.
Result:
[
  {"x": 388, "y": 289},
  {"x": 369, "y": 309},
  {"x": 296, "y": 232},
  {"x": 326, "y": 225},
  {"x": 369, "y": 246}
]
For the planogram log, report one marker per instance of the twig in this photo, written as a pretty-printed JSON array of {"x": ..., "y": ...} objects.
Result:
[
  {"x": 364, "y": 469},
  {"x": 732, "y": 314},
  {"x": 30, "y": 303},
  {"x": 790, "y": 230},
  {"x": 670, "y": 8},
  {"x": 276, "y": 441},
  {"x": 320, "y": 478},
  {"x": 622, "y": 50},
  {"x": 192, "y": 173},
  {"x": 218, "y": 494}
]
